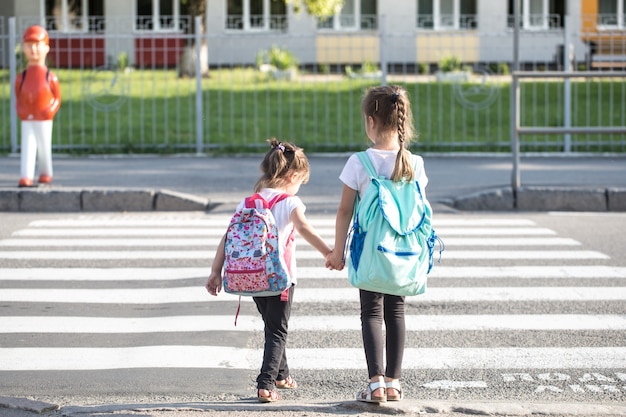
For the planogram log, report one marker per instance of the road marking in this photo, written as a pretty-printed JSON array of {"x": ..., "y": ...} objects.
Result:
[
  {"x": 214, "y": 241},
  {"x": 306, "y": 272},
  {"x": 570, "y": 271},
  {"x": 217, "y": 231},
  {"x": 301, "y": 254},
  {"x": 147, "y": 242},
  {"x": 309, "y": 295},
  {"x": 454, "y": 385},
  {"x": 102, "y": 274},
  {"x": 414, "y": 323},
  {"x": 222, "y": 220},
  {"x": 64, "y": 358}
]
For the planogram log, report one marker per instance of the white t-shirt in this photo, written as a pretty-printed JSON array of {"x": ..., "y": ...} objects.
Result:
[
  {"x": 282, "y": 214},
  {"x": 354, "y": 176}
]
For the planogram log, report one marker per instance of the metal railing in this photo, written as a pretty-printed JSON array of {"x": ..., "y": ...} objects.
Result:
[
  {"x": 517, "y": 129},
  {"x": 129, "y": 91}
]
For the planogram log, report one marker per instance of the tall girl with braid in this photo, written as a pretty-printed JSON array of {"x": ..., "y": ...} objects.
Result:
[
  {"x": 284, "y": 169},
  {"x": 389, "y": 126}
]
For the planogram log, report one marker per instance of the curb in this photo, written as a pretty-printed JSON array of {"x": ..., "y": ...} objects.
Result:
[
  {"x": 532, "y": 198},
  {"x": 536, "y": 198},
  {"x": 406, "y": 407},
  {"x": 24, "y": 404},
  {"x": 45, "y": 200}
]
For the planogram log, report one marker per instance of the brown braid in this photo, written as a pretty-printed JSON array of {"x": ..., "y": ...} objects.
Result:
[{"x": 391, "y": 107}]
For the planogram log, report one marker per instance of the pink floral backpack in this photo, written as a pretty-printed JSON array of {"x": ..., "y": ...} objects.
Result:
[{"x": 254, "y": 264}]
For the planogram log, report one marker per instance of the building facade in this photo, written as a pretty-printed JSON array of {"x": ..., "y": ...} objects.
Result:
[{"x": 154, "y": 32}]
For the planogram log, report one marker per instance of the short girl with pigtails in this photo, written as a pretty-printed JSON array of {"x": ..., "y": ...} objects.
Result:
[
  {"x": 284, "y": 169},
  {"x": 389, "y": 126}
]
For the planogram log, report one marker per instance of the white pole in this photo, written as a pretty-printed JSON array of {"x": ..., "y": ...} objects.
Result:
[
  {"x": 12, "y": 77},
  {"x": 567, "y": 87}
]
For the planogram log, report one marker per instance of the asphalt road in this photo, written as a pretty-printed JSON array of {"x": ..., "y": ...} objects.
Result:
[{"x": 550, "y": 386}]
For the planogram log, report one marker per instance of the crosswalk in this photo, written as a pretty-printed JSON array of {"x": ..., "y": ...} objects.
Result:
[{"x": 141, "y": 275}]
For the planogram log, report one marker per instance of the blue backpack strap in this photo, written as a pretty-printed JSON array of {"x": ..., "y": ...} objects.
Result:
[{"x": 367, "y": 164}]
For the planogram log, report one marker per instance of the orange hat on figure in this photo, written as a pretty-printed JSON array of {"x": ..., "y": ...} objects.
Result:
[{"x": 36, "y": 33}]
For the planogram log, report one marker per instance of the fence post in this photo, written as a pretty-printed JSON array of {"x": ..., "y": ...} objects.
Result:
[
  {"x": 12, "y": 77},
  {"x": 199, "y": 114},
  {"x": 515, "y": 116},
  {"x": 383, "y": 55},
  {"x": 567, "y": 88}
]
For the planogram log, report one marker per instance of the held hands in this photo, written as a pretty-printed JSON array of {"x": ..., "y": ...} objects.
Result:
[
  {"x": 334, "y": 260},
  {"x": 214, "y": 283}
]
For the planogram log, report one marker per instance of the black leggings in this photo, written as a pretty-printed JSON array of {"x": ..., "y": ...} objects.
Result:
[
  {"x": 376, "y": 308},
  {"x": 275, "y": 314}
]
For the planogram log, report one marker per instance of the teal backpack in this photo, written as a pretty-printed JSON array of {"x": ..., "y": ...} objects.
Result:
[{"x": 393, "y": 241}]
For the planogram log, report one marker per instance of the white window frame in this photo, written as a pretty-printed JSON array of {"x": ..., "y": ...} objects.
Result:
[
  {"x": 65, "y": 26},
  {"x": 337, "y": 25},
  {"x": 246, "y": 17},
  {"x": 156, "y": 18},
  {"x": 527, "y": 17},
  {"x": 437, "y": 17},
  {"x": 620, "y": 18}
]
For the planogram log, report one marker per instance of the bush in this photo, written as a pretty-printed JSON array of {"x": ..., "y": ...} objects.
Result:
[
  {"x": 281, "y": 59},
  {"x": 450, "y": 63}
]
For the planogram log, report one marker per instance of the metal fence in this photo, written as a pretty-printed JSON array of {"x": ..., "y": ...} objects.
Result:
[{"x": 204, "y": 92}]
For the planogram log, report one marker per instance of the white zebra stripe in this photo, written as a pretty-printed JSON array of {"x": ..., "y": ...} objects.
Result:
[
  {"x": 414, "y": 323},
  {"x": 301, "y": 254},
  {"x": 214, "y": 241},
  {"x": 219, "y": 231},
  {"x": 221, "y": 220},
  {"x": 37, "y": 359},
  {"x": 304, "y": 272},
  {"x": 308, "y": 295}
]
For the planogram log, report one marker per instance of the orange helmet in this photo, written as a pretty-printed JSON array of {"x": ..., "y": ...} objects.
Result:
[{"x": 36, "y": 33}]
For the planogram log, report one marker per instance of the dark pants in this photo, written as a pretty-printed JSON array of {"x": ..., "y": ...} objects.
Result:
[
  {"x": 376, "y": 308},
  {"x": 275, "y": 314}
]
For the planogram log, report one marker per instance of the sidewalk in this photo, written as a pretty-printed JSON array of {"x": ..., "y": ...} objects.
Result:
[{"x": 179, "y": 183}]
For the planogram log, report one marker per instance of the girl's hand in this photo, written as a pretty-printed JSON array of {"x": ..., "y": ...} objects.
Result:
[
  {"x": 214, "y": 283},
  {"x": 334, "y": 260}
]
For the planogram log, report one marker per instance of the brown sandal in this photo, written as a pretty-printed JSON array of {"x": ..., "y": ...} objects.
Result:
[
  {"x": 272, "y": 397},
  {"x": 287, "y": 383}
]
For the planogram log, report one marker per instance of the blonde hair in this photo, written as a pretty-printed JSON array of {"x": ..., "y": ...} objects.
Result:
[
  {"x": 282, "y": 160},
  {"x": 391, "y": 109}
]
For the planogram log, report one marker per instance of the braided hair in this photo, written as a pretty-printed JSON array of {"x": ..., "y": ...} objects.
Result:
[
  {"x": 282, "y": 160},
  {"x": 391, "y": 108}
]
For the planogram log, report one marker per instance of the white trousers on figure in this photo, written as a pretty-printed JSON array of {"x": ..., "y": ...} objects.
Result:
[{"x": 36, "y": 147}]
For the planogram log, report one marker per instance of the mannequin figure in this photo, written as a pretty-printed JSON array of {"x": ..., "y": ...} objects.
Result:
[{"x": 38, "y": 98}]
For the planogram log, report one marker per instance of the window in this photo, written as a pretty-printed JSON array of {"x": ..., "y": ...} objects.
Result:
[
  {"x": 611, "y": 14},
  {"x": 256, "y": 15},
  {"x": 354, "y": 15},
  {"x": 72, "y": 15},
  {"x": 539, "y": 14},
  {"x": 159, "y": 15},
  {"x": 446, "y": 14}
]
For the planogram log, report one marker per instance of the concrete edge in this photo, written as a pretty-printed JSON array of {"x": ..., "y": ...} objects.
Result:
[
  {"x": 540, "y": 198},
  {"x": 25, "y": 404},
  {"x": 410, "y": 407},
  {"x": 530, "y": 198},
  {"x": 48, "y": 200}
]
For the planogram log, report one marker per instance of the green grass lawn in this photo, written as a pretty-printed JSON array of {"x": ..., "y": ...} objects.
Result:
[{"x": 155, "y": 111}]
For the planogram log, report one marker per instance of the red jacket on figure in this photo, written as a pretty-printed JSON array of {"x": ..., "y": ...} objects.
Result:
[
  {"x": 37, "y": 88},
  {"x": 38, "y": 93}
]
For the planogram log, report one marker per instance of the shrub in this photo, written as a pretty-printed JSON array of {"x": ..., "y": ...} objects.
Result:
[
  {"x": 450, "y": 63},
  {"x": 281, "y": 59}
]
